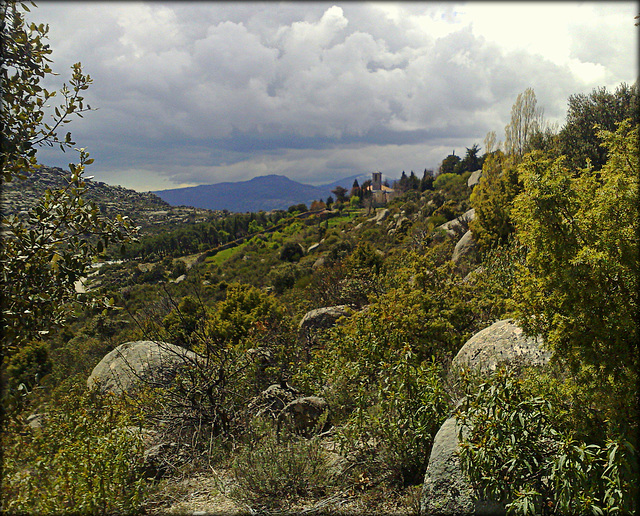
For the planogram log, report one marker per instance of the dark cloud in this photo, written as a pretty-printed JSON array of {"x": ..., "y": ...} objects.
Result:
[{"x": 202, "y": 92}]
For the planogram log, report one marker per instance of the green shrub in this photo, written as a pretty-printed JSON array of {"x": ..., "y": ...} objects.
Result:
[
  {"x": 273, "y": 471},
  {"x": 579, "y": 289},
  {"x": 28, "y": 366},
  {"x": 291, "y": 252},
  {"x": 517, "y": 448},
  {"x": 244, "y": 307},
  {"x": 78, "y": 462},
  {"x": 395, "y": 423},
  {"x": 183, "y": 320},
  {"x": 283, "y": 277},
  {"x": 448, "y": 182}
]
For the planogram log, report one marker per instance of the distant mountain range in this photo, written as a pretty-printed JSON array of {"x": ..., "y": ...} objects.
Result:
[{"x": 265, "y": 193}]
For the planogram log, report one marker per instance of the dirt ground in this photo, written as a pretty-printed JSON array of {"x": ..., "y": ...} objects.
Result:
[{"x": 209, "y": 493}]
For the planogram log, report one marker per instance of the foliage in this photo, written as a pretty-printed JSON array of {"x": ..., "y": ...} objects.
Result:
[
  {"x": 28, "y": 366},
  {"x": 300, "y": 208},
  {"x": 471, "y": 161},
  {"x": 291, "y": 252},
  {"x": 579, "y": 288},
  {"x": 526, "y": 122},
  {"x": 220, "y": 230},
  {"x": 183, "y": 320},
  {"x": 341, "y": 193},
  {"x": 45, "y": 254},
  {"x": 446, "y": 180},
  {"x": 495, "y": 281},
  {"x": 587, "y": 115},
  {"x": 383, "y": 366},
  {"x": 349, "y": 276},
  {"x": 244, "y": 307},
  {"x": 516, "y": 449},
  {"x": 273, "y": 470},
  {"x": 25, "y": 60},
  {"x": 426, "y": 183},
  {"x": 284, "y": 276},
  {"x": 449, "y": 164},
  {"x": 399, "y": 419},
  {"x": 81, "y": 460},
  {"x": 492, "y": 199}
]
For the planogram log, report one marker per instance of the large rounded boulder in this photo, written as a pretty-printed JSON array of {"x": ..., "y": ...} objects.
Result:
[
  {"x": 316, "y": 321},
  {"x": 504, "y": 342},
  {"x": 466, "y": 249},
  {"x": 137, "y": 364},
  {"x": 446, "y": 489}
]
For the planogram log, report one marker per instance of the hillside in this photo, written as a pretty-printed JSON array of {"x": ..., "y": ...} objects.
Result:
[
  {"x": 323, "y": 361},
  {"x": 145, "y": 209},
  {"x": 261, "y": 193}
]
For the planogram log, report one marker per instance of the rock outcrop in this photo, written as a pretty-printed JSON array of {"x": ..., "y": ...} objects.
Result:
[
  {"x": 304, "y": 416},
  {"x": 458, "y": 225},
  {"x": 320, "y": 319},
  {"x": 446, "y": 489},
  {"x": 502, "y": 342},
  {"x": 272, "y": 400},
  {"x": 379, "y": 217},
  {"x": 474, "y": 178},
  {"x": 466, "y": 249},
  {"x": 141, "y": 363}
]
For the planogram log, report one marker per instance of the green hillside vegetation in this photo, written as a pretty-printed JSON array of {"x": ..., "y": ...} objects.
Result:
[{"x": 558, "y": 252}]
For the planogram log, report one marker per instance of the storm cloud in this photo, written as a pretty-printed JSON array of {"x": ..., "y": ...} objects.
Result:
[{"x": 199, "y": 93}]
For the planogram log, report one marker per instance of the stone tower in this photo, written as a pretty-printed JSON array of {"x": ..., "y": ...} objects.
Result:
[{"x": 376, "y": 182}]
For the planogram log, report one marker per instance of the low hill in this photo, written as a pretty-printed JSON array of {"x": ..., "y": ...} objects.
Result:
[{"x": 145, "y": 209}]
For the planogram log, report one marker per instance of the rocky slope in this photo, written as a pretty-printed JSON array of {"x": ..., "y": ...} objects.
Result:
[{"x": 145, "y": 209}]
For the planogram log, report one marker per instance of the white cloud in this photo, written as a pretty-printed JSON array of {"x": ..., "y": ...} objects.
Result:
[{"x": 202, "y": 92}]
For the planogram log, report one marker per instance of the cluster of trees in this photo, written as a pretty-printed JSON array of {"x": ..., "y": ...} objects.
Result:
[
  {"x": 193, "y": 238},
  {"x": 579, "y": 143}
]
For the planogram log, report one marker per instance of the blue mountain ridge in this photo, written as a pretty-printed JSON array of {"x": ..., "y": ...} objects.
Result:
[{"x": 270, "y": 192}]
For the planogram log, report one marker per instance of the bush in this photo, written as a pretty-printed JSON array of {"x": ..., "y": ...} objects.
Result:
[
  {"x": 517, "y": 448},
  {"x": 291, "y": 252},
  {"x": 284, "y": 276},
  {"x": 272, "y": 471},
  {"x": 447, "y": 181},
  {"x": 580, "y": 287},
  {"x": 398, "y": 420},
  {"x": 28, "y": 366},
  {"x": 184, "y": 320},
  {"x": 77, "y": 462}
]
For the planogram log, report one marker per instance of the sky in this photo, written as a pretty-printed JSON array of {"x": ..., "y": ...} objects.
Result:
[{"x": 191, "y": 93}]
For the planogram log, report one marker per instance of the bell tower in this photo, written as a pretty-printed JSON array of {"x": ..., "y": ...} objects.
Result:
[{"x": 376, "y": 182}]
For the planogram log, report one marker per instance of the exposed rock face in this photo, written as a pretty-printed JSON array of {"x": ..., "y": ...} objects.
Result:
[
  {"x": 320, "y": 319},
  {"x": 303, "y": 415},
  {"x": 474, "y": 178},
  {"x": 380, "y": 216},
  {"x": 272, "y": 400},
  {"x": 501, "y": 342},
  {"x": 446, "y": 490},
  {"x": 145, "y": 209},
  {"x": 458, "y": 225},
  {"x": 320, "y": 262},
  {"x": 466, "y": 248},
  {"x": 35, "y": 421},
  {"x": 135, "y": 364}
]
